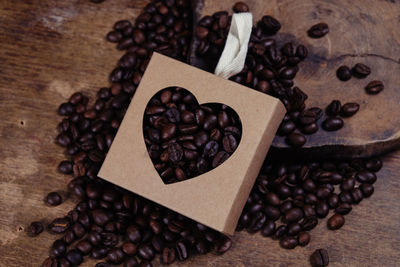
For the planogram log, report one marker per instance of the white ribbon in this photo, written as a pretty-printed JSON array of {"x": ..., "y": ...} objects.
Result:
[{"x": 234, "y": 54}]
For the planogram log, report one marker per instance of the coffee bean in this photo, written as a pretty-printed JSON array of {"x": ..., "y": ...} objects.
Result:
[
  {"x": 367, "y": 189},
  {"x": 304, "y": 239},
  {"x": 309, "y": 223},
  {"x": 293, "y": 215},
  {"x": 374, "y": 87},
  {"x": 318, "y": 30},
  {"x": 269, "y": 228},
  {"x": 240, "y": 7},
  {"x": 219, "y": 159},
  {"x": 373, "y": 164},
  {"x": 288, "y": 242},
  {"x": 34, "y": 229},
  {"x": 343, "y": 73},
  {"x": 334, "y": 108},
  {"x": 286, "y": 128},
  {"x": 322, "y": 209},
  {"x": 349, "y": 109},
  {"x": 336, "y": 221},
  {"x": 168, "y": 255},
  {"x": 102, "y": 264},
  {"x": 223, "y": 245},
  {"x": 145, "y": 252},
  {"x": 115, "y": 256},
  {"x": 84, "y": 246},
  {"x": 360, "y": 70},
  {"x": 296, "y": 139},
  {"x": 343, "y": 208},
  {"x": 270, "y": 25},
  {"x": 229, "y": 143},
  {"x": 332, "y": 124},
  {"x": 74, "y": 256},
  {"x": 53, "y": 199},
  {"x": 99, "y": 252},
  {"x": 319, "y": 258},
  {"x": 365, "y": 176},
  {"x": 59, "y": 225}
]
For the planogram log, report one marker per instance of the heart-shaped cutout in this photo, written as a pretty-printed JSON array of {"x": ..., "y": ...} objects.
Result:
[{"x": 185, "y": 139}]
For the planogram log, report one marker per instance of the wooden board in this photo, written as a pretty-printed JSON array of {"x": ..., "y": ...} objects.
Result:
[
  {"x": 49, "y": 49},
  {"x": 360, "y": 31}
]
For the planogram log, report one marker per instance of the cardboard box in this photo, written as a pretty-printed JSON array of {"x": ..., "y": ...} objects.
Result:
[{"x": 215, "y": 198}]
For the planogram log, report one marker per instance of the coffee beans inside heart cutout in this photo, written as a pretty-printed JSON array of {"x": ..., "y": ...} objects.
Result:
[{"x": 185, "y": 139}]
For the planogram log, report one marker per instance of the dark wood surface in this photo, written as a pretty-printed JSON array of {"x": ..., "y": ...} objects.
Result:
[
  {"x": 360, "y": 31},
  {"x": 49, "y": 49}
]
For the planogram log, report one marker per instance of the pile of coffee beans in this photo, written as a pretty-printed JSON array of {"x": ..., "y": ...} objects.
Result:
[
  {"x": 119, "y": 227},
  {"x": 185, "y": 139},
  {"x": 268, "y": 68},
  {"x": 289, "y": 198}
]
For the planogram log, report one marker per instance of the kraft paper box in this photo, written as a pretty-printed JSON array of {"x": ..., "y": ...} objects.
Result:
[{"x": 217, "y": 197}]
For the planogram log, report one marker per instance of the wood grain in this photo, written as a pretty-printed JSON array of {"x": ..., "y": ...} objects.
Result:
[
  {"x": 49, "y": 49},
  {"x": 360, "y": 31}
]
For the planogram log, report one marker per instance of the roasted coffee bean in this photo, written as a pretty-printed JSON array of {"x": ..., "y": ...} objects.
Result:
[
  {"x": 336, "y": 221},
  {"x": 280, "y": 231},
  {"x": 309, "y": 223},
  {"x": 293, "y": 215},
  {"x": 356, "y": 195},
  {"x": 65, "y": 167},
  {"x": 181, "y": 251},
  {"x": 332, "y": 124},
  {"x": 374, "y": 87},
  {"x": 270, "y": 25},
  {"x": 343, "y": 208},
  {"x": 74, "y": 256},
  {"x": 296, "y": 139},
  {"x": 349, "y": 109},
  {"x": 211, "y": 149},
  {"x": 115, "y": 256},
  {"x": 53, "y": 199},
  {"x": 272, "y": 199},
  {"x": 34, "y": 229},
  {"x": 333, "y": 201},
  {"x": 319, "y": 258},
  {"x": 99, "y": 252},
  {"x": 229, "y": 143},
  {"x": 343, "y": 73},
  {"x": 367, "y": 189},
  {"x": 286, "y": 128},
  {"x": 294, "y": 229},
  {"x": 304, "y": 239},
  {"x": 334, "y": 108},
  {"x": 373, "y": 164},
  {"x": 240, "y": 7},
  {"x": 145, "y": 252},
  {"x": 219, "y": 159},
  {"x": 361, "y": 70},
  {"x": 345, "y": 197},
  {"x": 223, "y": 244},
  {"x": 269, "y": 228},
  {"x": 318, "y": 30},
  {"x": 365, "y": 176},
  {"x": 84, "y": 246},
  {"x": 59, "y": 248},
  {"x": 289, "y": 242},
  {"x": 322, "y": 209},
  {"x": 168, "y": 255},
  {"x": 59, "y": 225}
]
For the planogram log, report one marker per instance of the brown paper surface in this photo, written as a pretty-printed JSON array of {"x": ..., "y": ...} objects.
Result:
[{"x": 215, "y": 198}]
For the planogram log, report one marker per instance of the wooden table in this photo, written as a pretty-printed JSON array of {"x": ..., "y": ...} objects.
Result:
[{"x": 49, "y": 49}]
